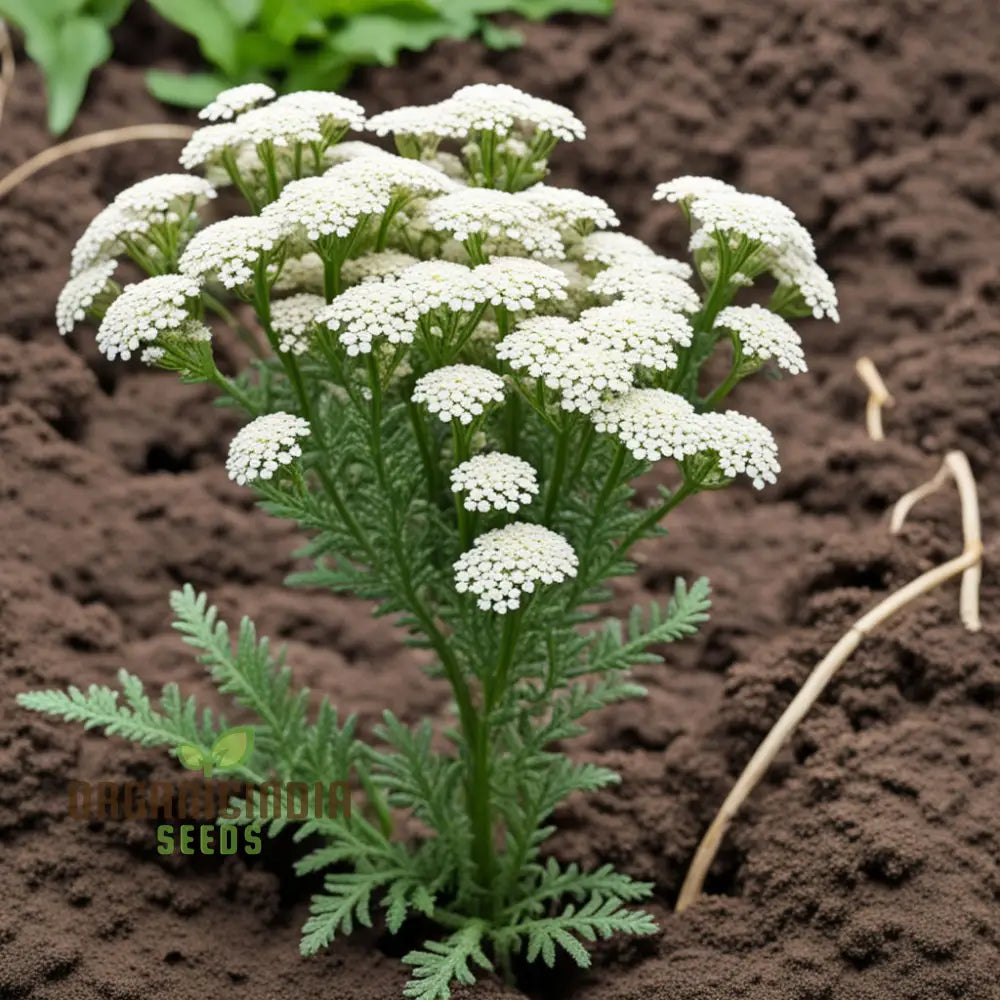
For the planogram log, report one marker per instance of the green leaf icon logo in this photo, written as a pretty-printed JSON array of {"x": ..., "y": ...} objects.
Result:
[
  {"x": 233, "y": 747},
  {"x": 194, "y": 758}
]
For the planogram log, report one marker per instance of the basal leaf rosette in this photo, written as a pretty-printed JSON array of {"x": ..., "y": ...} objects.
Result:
[{"x": 506, "y": 564}]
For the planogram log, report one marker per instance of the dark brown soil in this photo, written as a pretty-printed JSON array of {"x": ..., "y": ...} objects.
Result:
[{"x": 866, "y": 867}]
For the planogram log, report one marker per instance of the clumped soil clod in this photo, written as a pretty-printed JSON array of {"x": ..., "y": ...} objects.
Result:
[{"x": 866, "y": 865}]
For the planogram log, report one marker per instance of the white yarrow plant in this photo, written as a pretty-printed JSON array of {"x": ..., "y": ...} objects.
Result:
[{"x": 446, "y": 343}]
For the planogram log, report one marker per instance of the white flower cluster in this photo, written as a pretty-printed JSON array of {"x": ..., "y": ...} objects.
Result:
[
  {"x": 649, "y": 281},
  {"x": 328, "y": 109},
  {"x": 569, "y": 209},
  {"x": 763, "y": 334},
  {"x": 437, "y": 284},
  {"x": 686, "y": 189},
  {"x": 165, "y": 199},
  {"x": 229, "y": 103},
  {"x": 785, "y": 249},
  {"x": 145, "y": 311},
  {"x": 481, "y": 107},
  {"x": 520, "y": 284},
  {"x": 643, "y": 334},
  {"x": 652, "y": 424},
  {"x": 318, "y": 207},
  {"x": 266, "y": 444},
  {"x": 553, "y": 349},
  {"x": 744, "y": 446},
  {"x": 607, "y": 248},
  {"x": 292, "y": 319},
  {"x": 495, "y": 481},
  {"x": 79, "y": 293},
  {"x": 373, "y": 310},
  {"x": 506, "y": 563},
  {"x": 498, "y": 218},
  {"x": 398, "y": 175},
  {"x": 207, "y": 144},
  {"x": 375, "y": 266},
  {"x": 458, "y": 392},
  {"x": 230, "y": 250}
]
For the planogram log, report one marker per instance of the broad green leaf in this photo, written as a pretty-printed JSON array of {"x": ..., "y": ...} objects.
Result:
[
  {"x": 80, "y": 45},
  {"x": 496, "y": 37},
  {"x": 242, "y": 12},
  {"x": 192, "y": 757},
  {"x": 288, "y": 20},
  {"x": 210, "y": 23},
  {"x": 188, "y": 91},
  {"x": 381, "y": 37},
  {"x": 257, "y": 52},
  {"x": 108, "y": 12},
  {"x": 233, "y": 747}
]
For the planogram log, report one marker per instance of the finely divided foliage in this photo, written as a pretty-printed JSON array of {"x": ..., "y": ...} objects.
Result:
[{"x": 462, "y": 372}]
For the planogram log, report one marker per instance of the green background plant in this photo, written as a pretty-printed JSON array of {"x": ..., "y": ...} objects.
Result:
[{"x": 292, "y": 44}]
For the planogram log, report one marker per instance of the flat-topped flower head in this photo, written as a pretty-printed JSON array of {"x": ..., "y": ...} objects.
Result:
[
  {"x": 231, "y": 250},
  {"x": 652, "y": 423},
  {"x": 643, "y": 334},
  {"x": 569, "y": 209},
  {"x": 166, "y": 197},
  {"x": 353, "y": 149},
  {"x": 607, "y": 248},
  {"x": 652, "y": 284},
  {"x": 207, "y": 145},
  {"x": 320, "y": 207},
  {"x": 495, "y": 481},
  {"x": 229, "y": 103},
  {"x": 744, "y": 446},
  {"x": 763, "y": 335},
  {"x": 104, "y": 239},
  {"x": 520, "y": 284},
  {"x": 497, "y": 218},
  {"x": 804, "y": 287},
  {"x": 81, "y": 292},
  {"x": 279, "y": 125},
  {"x": 191, "y": 331},
  {"x": 333, "y": 113},
  {"x": 293, "y": 318},
  {"x": 501, "y": 108},
  {"x": 264, "y": 446},
  {"x": 735, "y": 216},
  {"x": 144, "y": 312},
  {"x": 372, "y": 311},
  {"x": 686, "y": 189},
  {"x": 400, "y": 175},
  {"x": 375, "y": 266},
  {"x": 554, "y": 350},
  {"x": 426, "y": 124},
  {"x": 437, "y": 284},
  {"x": 458, "y": 392},
  {"x": 506, "y": 563}
]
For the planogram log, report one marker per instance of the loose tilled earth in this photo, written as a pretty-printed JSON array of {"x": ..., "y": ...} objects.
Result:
[{"x": 867, "y": 864}]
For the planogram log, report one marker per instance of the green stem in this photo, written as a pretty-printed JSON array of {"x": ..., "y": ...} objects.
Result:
[
  {"x": 460, "y": 448},
  {"x": 558, "y": 471}
]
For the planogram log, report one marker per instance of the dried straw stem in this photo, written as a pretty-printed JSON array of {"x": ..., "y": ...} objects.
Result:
[
  {"x": 85, "y": 143},
  {"x": 878, "y": 396},
  {"x": 956, "y": 467},
  {"x": 6, "y": 64},
  {"x": 800, "y": 705}
]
